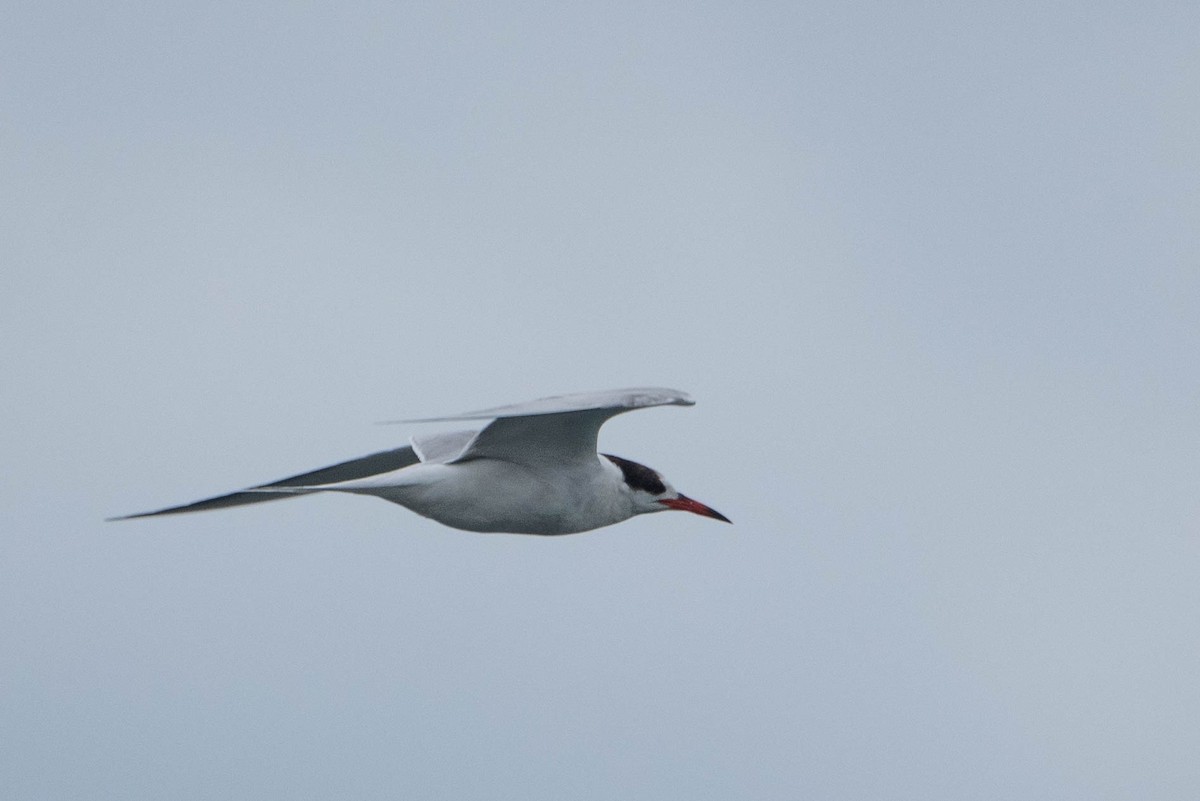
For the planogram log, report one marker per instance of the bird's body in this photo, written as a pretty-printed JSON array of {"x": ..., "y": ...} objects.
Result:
[
  {"x": 533, "y": 470},
  {"x": 518, "y": 500}
]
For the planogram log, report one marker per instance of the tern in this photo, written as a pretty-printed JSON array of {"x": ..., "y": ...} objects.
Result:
[{"x": 533, "y": 470}]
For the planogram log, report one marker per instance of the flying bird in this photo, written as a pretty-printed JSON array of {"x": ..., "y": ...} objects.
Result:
[{"x": 533, "y": 470}]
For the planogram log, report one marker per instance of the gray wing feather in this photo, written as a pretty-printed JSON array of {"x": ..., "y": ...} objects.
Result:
[
  {"x": 616, "y": 400},
  {"x": 539, "y": 440},
  {"x": 560, "y": 430},
  {"x": 373, "y": 464}
]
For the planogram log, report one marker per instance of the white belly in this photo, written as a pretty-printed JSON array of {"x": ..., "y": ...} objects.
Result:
[{"x": 489, "y": 496}]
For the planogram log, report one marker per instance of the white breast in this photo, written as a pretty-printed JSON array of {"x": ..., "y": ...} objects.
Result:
[{"x": 491, "y": 496}]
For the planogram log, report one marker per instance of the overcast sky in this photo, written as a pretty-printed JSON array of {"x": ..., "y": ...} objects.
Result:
[{"x": 931, "y": 271}]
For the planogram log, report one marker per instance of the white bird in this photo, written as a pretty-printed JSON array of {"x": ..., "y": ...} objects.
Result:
[{"x": 533, "y": 470}]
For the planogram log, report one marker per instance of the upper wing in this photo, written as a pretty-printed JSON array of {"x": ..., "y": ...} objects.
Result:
[
  {"x": 382, "y": 462},
  {"x": 557, "y": 430},
  {"x": 614, "y": 400}
]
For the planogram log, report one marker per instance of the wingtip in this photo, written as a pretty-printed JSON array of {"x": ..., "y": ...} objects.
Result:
[
  {"x": 658, "y": 396},
  {"x": 135, "y": 516}
]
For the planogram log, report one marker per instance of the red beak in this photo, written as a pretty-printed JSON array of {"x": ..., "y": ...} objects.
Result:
[{"x": 685, "y": 504}]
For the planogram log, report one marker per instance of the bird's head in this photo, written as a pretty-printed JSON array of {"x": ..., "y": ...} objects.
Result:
[{"x": 650, "y": 492}]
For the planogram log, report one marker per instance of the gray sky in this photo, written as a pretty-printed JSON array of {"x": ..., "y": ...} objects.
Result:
[{"x": 931, "y": 272}]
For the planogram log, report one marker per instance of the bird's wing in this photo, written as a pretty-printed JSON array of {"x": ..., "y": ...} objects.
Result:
[
  {"x": 382, "y": 462},
  {"x": 556, "y": 430},
  {"x": 616, "y": 400}
]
